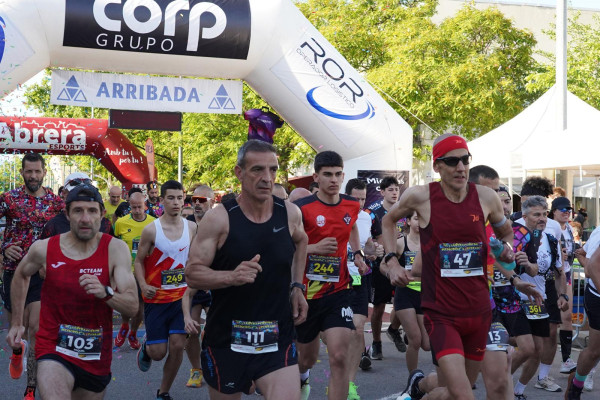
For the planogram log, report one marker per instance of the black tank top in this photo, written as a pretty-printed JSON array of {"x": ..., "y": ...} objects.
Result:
[{"x": 268, "y": 298}]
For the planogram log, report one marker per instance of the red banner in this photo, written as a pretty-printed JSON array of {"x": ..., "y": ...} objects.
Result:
[{"x": 66, "y": 136}]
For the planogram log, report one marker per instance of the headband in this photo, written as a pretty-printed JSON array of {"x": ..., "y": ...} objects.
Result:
[{"x": 450, "y": 143}]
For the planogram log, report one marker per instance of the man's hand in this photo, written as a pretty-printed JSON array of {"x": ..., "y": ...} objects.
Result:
[
  {"x": 397, "y": 275},
  {"x": 299, "y": 306},
  {"x": 326, "y": 246},
  {"x": 191, "y": 325},
  {"x": 581, "y": 256},
  {"x": 13, "y": 338},
  {"x": 363, "y": 268},
  {"x": 148, "y": 291},
  {"x": 529, "y": 289},
  {"x": 91, "y": 284},
  {"x": 14, "y": 252},
  {"x": 565, "y": 256},
  {"x": 246, "y": 272},
  {"x": 563, "y": 305}
]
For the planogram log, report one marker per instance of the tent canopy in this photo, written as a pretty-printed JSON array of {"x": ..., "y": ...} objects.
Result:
[{"x": 530, "y": 141}]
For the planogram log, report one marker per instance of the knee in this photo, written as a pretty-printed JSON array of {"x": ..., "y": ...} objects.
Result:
[
  {"x": 306, "y": 361},
  {"x": 496, "y": 385},
  {"x": 337, "y": 359},
  {"x": 156, "y": 353}
]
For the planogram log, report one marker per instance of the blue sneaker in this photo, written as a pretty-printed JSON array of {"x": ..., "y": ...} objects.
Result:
[{"x": 143, "y": 360}]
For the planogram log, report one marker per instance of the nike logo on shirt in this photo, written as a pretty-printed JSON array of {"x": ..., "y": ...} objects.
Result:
[{"x": 275, "y": 230}]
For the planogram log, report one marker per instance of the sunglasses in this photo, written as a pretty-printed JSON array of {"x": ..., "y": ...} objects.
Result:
[
  {"x": 453, "y": 161},
  {"x": 79, "y": 181},
  {"x": 566, "y": 209},
  {"x": 199, "y": 199}
]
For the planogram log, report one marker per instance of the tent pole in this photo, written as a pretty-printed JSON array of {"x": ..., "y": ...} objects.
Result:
[
  {"x": 561, "y": 65},
  {"x": 597, "y": 201}
]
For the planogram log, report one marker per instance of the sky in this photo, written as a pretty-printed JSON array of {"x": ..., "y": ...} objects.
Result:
[{"x": 587, "y": 4}]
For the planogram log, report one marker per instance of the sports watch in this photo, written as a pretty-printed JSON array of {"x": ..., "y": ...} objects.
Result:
[
  {"x": 564, "y": 296},
  {"x": 389, "y": 256},
  {"x": 359, "y": 252},
  {"x": 299, "y": 286},
  {"x": 109, "y": 293}
]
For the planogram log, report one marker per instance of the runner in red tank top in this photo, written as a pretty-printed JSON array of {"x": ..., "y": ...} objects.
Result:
[
  {"x": 455, "y": 297},
  {"x": 74, "y": 342}
]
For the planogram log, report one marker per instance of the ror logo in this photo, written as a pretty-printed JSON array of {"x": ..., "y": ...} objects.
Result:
[{"x": 217, "y": 28}]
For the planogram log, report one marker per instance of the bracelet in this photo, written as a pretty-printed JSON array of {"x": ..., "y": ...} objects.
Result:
[
  {"x": 508, "y": 244},
  {"x": 512, "y": 279}
]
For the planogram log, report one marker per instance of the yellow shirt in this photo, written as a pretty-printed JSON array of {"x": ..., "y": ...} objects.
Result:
[
  {"x": 130, "y": 231},
  {"x": 110, "y": 209}
]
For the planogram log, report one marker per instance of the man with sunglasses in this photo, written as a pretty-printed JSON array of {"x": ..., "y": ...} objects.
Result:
[
  {"x": 26, "y": 209},
  {"x": 455, "y": 297},
  {"x": 153, "y": 202},
  {"x": 203, "y": 200}
]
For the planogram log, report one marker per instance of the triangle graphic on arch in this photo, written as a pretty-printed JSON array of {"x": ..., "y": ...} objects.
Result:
[
  {"x": 80, "y": 97},
  {"x": 222, "y": 91},
  {"x": 214, "y": 105},
  {"x": 72, "y": 82},
  {"x": 64, "y": 96},
  {"x": 229, "y": 105}
]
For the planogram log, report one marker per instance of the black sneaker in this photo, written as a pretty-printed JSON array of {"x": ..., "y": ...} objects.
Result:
[
  {"x": 412, "y": 386},
  {"x": 376, "y": 351},
  {"x": 520, "y": 397},
  {"x": 396, "y": 337},
  {"x": 163, "y": 396},
  {"x": 365, "y": 362},
  {"x": 572, "y": 392}
]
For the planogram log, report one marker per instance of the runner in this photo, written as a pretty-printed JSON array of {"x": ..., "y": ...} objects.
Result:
[
  {"x": 26, "y": 209},
  {"x": 407, "y": 300},
  {"x": 383, "y": 291},
  {"x": 114, "y": 199},
  {"x": 361, "y": 285},
  {"x": 195, "y": 301},
  {"x": 455, "y": 295},
  {"x": 506, "y": 200},
  {"x": 159, "y": 270},
  {"x": 329, "y": 220},
  {"x": 297, "y": 194},
  {"x": 250, "y": 253},
  {"x": 156, "y": 209},
  {"x": 74, "y": 343},
  {"x": 129, "y": 229},
  {"x": 279, "y": 191}
]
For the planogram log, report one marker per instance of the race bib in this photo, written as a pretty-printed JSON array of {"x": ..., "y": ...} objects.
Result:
[
  {"x": 254, "y": 337},
  {"x": 323, "y": 268},
  {"x": 77, "y": 342},
  {"x": 134, "y": 247},
  {"x": 409, "y": 259},
  {"x": 499, "y": 279},
  {"x": 533, "y": 311},
  {"x": 459, "y": 260},
  {"x": 497, "y": 337},
  {"x": 172, "y": 279}
]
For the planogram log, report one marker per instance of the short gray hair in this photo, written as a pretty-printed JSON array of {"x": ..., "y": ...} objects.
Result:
[
  {"x": 534, "y": 201},
  {"x": 257, "y": 146}
]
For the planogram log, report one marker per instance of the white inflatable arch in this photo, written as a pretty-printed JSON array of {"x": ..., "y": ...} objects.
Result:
[{"x": 267, "y": 43}]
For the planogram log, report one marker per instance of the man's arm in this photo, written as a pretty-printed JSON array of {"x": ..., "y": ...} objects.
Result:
[
  {"x": 144, "y": 246},
  {"x": 299, "y": 305},
  {"x": 593, "y": 269},
  {"x": 212, "y": 232},
  {"x": 355, "y": 246},
  {"x": 29, "y": 265},
  {"x": 501, "y": 225},
  {"x": 191, "y": 326},
  {"x": 125, "y": 301}
]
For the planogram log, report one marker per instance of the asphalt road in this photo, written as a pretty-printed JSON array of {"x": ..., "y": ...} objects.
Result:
[{"x": 385, "y": 380}]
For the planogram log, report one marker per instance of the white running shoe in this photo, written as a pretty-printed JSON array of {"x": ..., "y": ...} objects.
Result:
[
  {"x": 588, "y": 385},
  {"x": 568, "y": 366},
  {"x": 547, "y": 384}
]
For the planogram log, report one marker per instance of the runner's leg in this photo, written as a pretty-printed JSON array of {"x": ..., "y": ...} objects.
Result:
[
  {"x": 55, "y": 382},
  {"x": 412, "y": 328},
  {"x": 173, "y": 361},
  {"x": 338, "y": 340},
  {"x": 32, "y": 313},
  {"x": 280, "y": 384},
  {"x": 357, "y": 344}
]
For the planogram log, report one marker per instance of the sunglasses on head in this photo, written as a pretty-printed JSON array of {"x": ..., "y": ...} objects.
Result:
[
  {"x": 79, "y": 181},
  {"x": 199, "y": 199},
  {"x": 453, "y": 161}
]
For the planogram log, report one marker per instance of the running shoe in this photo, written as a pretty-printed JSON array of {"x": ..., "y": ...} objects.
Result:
[
  {"x": 572, "y": 392},
  {"x": 195, "y": 380},
  {"x": 376, "y": 351},
  {"x": 568, "y": 366},
  {"x": 29, "y": 393},
  {"x": 365, "y": 362},
  {"x": 412, "y": 386},
  {"x": 588, "y": 385},
  {"x": 163, "y": 396},
  {"x": 304, "y": 389},
  {"x": 134, "y": 343},
  {"x": 520, "y": 397},
  {"x": 352, "y": 395},
  {"x": 396, "y": 337},
  {"x": 17, "y": 362},
  {"x": 547, "y": 384},
  {"x": 120, "y": 339},
  {"x": 143, "y": 360}
]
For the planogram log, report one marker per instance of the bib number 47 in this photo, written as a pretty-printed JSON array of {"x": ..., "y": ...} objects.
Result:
[{"x": 462, "y": 258}]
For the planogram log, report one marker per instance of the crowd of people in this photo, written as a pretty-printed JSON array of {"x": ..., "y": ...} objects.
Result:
[{"x": 480, "y": 287}]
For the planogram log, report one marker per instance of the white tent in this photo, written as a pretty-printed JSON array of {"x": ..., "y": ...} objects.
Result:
[{"x": 530, "y": 140}]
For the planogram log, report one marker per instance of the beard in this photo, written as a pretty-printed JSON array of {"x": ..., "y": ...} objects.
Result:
[
  {"x": 153, "y": 200},
  {"x": 33, "y": 185}
]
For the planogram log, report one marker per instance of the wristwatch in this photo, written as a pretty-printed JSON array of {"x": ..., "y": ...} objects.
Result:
[
  {"x": 512, "y": 279},
  {"x": 564, "y": 296},
  {"x": 359, "y": 252},
  {"x": 389, "y": 256},
  {"x": 299, "y": 286},
  {"x": 109, "y": 293}
]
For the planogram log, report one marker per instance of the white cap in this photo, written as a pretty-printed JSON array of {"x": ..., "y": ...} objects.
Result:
[{"x": 78, "y": 177}]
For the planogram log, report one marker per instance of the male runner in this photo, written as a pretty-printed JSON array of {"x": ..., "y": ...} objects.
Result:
[
  {"x": 129, "y": 229},
  {"x": 279, "y": 191},
  {"x": 74, "y": 343},
  {"x": 159, "y": 270},
  {"x": 383, "y": 290},
  {"x": 455, "y": 295},
  {"x": 195, "y": 301},
  {"x": 114, "y": 199},
  {"x": 26, "y": 209},
  {"x": 250, "y": 253},
  {"x": 155, "y": 208},
  {"x": 330, "y": 223}
]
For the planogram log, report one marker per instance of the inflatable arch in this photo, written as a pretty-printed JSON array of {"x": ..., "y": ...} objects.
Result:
[
  {"x": 269, "y": 44},
  {"x": 74, "y": 137}
]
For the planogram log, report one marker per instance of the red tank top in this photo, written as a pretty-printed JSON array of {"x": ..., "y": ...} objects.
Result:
[
  {"x": 74, "y": 325},
  {"x": 454, "y": 251}
]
